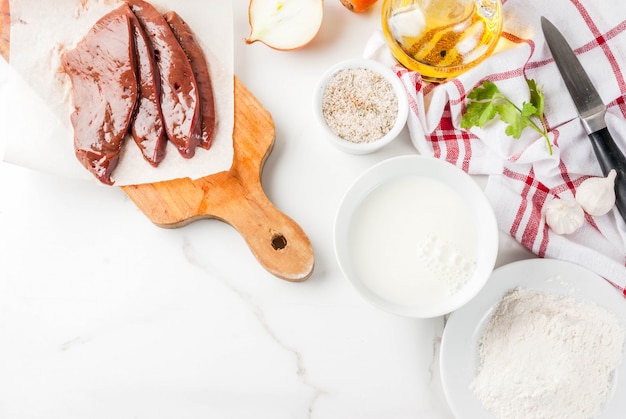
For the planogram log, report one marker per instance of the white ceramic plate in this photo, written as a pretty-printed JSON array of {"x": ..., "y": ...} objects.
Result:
[{"x": 459, "y": 346}]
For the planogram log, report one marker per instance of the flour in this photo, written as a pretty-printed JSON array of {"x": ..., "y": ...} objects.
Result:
[{"x": 544, "y": 356}]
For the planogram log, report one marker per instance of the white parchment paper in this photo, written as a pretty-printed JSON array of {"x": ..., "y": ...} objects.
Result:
[{"x": 37, "y": 94}]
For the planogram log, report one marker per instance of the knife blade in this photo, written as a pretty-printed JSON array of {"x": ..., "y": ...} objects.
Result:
[{"x": 591, "y": 110}]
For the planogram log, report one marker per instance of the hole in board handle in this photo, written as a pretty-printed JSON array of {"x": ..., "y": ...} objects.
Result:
[{"x": 279, "y": 242}]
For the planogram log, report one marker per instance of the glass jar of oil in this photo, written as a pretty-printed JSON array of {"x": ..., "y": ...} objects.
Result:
[{"x": 441, "y": 39}]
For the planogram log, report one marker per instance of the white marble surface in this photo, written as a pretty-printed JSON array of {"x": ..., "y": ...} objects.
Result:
[{"x": 104, "y": 315}]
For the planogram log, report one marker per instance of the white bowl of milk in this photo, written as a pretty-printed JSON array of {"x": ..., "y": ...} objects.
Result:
[{"x": 416, "y": 236}]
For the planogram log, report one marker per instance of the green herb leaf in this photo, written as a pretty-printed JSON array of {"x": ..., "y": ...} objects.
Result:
[
  {"x": 477, "y": 114},
  {"x": 481, "y": 109},
  {"x": 536, "y": 98},
  {"x": 513, "y": 118},
  {"x": 486, "y": 101},
  {"x": 486, "y": 91},
  {"x": 528, "y": 110}
]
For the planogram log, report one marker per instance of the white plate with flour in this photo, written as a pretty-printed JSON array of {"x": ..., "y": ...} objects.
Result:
[{"x": 460, "y": 358}]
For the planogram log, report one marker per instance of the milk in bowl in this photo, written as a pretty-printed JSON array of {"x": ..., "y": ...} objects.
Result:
[{"x": 416, "y": 236}]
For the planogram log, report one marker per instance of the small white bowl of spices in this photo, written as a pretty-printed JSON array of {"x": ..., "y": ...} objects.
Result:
[{"x": 361, "y": 105}]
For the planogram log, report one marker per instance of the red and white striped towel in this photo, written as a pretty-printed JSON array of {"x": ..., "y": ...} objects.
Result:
[{"x": 523, "y": 175}]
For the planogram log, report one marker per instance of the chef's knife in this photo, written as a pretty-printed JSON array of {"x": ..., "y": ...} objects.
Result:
[{"x": 590, "y": 108}]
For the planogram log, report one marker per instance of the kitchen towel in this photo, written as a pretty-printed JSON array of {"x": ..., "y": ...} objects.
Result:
[{"x": 523, "y": 176}]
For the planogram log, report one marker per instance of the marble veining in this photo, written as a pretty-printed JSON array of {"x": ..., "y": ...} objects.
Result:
[{"x": 256, "y": 309}]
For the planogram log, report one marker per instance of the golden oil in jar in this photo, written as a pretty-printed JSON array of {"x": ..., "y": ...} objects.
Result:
[{"x": 441, "y": 38}]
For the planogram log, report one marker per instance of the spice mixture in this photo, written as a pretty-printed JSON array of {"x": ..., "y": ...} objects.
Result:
[
  {"x": 544, "y": 356},
  {"x": 359, "y": 105}
]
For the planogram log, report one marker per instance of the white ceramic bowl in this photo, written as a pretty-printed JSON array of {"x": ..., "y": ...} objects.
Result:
[
  {"x": 460, "y": 186},
  {"x": 363, "y": 147}
]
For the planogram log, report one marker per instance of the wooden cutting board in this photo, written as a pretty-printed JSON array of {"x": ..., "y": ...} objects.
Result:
[{"x": 235, "y": 196}]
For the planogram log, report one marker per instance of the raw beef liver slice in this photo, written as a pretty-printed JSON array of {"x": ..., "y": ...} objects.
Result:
[
  {"x": 104, "y": 91},
  {"x": 180, "y": 100},
  {"x": 200, "y": 69},
  {"x": 147, "y": 125}
]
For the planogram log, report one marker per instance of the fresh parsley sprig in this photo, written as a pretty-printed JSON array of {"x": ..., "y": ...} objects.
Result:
[{"x": 485, "y": 102}]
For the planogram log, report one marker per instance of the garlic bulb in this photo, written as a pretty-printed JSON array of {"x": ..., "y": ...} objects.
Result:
[
  {"x": 564, "y": 216},
  {"x": 597, "y": 194}
]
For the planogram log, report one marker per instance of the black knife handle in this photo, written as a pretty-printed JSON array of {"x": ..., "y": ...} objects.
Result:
[{"x": 610, "y": 157}]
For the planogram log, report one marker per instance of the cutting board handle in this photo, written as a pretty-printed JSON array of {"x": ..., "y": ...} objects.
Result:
[{"x": 278, "y": 242}]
